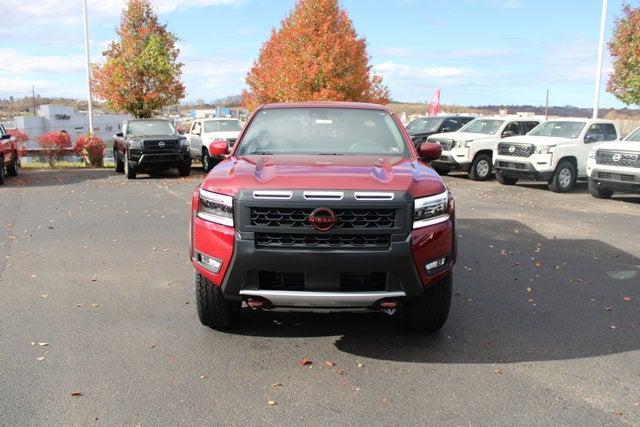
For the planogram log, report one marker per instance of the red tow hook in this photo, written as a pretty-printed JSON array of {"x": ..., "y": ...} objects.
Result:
[
  {"x": 389, "y": 305},
  {"x": 255, "y": 303}
]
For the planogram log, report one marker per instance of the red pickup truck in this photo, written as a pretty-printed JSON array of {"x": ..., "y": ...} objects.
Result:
[
  {"x": 9, "y": 160},
  {"x": 324, "y": 207}
]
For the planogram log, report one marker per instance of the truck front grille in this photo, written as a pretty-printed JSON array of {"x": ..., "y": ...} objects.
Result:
[
  {"x": 368, "y": 282},
  {"x": 275, "y": 280},
  {"x": 614, "y": 158},
  {"x": 349, "y": 282},
  {"x": 344, "y": 241},
  {"x": 346, "y": 218},
  {"x": 516, "y": 150},
  {"x": 447, "y": 144},
  {"x": 161, "y": 146}
]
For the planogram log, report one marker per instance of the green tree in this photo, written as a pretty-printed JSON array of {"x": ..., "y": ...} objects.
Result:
[
  {"x": 624, "y": 81},
  {"x": 141, "y": 73}
]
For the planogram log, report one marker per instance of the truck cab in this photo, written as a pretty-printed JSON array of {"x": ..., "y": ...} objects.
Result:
[
  {"x": 205, "y": 132},
  {"x": 9, "y": 160},
  {"x": 615, "y": 167},
  {"x": 471, "y": 148},
  {"x": 423, "y": 127},
  {"x": 555, "y": 151}
]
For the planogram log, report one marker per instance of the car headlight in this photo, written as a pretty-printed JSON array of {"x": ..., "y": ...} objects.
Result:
[
  {"x": 592, "y": 154},
  {"x": 466, "y": 144},
  {"x": 544, "y": 149},
  {"x": 215, "y": 207},
  {"x": 135, "y": 144},
  {"x": 431, "y": 210},
  {"x": 184, "y": 142}
]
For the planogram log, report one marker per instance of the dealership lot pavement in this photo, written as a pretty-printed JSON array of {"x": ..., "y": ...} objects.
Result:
[{"x": 545, "y": 324}]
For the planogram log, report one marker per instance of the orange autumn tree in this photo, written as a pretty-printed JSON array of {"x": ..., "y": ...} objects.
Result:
[
  {"x": 316, "y": 55},
  {"x": 140, "y": 74}
]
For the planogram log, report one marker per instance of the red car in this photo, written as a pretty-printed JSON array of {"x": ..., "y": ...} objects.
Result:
[
  {"x": 9, "y": 160},
  {"x": 324, "y": 207}
]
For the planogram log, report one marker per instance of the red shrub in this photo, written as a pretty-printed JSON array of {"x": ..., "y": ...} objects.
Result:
[
  {"x": 91, "y": 147},
  {"x": 20, "y": 138},
  {"x": 53, "y": 144}
]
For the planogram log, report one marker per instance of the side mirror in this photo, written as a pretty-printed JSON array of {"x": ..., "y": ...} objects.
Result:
[
  {"x": 446, "y": 129},
  {"x": 219, "y": 148},
  {"x": 430, "y": 151},
  {"x": 6, "y": 136},
  {"x": 588, "y": 139},
  {"x": 508, "y": 133},
  {"x": 118, "y": 135}
]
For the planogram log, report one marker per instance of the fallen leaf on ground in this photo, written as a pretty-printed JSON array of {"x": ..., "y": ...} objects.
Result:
[
  {"x": 360, "y": 365},
  {"x": 276, "y": 385},
  {"x": 498, "y": 371},
  {"x": 152, "y": 346},
  {"x": 75, "y": 394},
  {"x": 202, "y": 377},
  {"x": 305, "y": 362},
  {"x": 272, "y": 403},
  {"x": 94, "y": 278},
  {"x": 329, "y": 363},
  {"x": 628, "y": 299},
  {"x": 41, "y": 358},
  {"x": 42, "y": 344},
  {"x": 341, "y": 372}
]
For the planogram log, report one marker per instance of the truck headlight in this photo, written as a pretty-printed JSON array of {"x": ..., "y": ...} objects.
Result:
[
  {"x": 544, "y": 149},
  {"x": 466, "y": 144},
  {"x": 431, "y": 210},
  {"x": 184, "y": 142},
  {"x": 215, "y": 207},
  {"x": 135, "y": 144},
  {"x": 592, "y": 154}
]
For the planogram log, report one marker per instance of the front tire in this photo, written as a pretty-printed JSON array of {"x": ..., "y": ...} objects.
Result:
[
  {"x": 207, "y": 161},
  {"x": 12, "y": 169},
  {"x": 505, "y": 180},
  {"x": 597, "y": 192},
  {"x": 2, "y": 170},
  {"x": 564, "y": 178},
  {"x": 481, "y": 168},
  {"x": 214, "y": 310},
  {"x": 129, "y": 171},
  {"x": 185, "y": 170},
  {"x": 442, "y": 172},
  {"x": 429, "y": 311},
  {"x": 119, "y": 163}
]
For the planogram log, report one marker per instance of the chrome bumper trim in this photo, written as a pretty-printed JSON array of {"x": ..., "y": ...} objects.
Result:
[{"x": 321, "y": 299}]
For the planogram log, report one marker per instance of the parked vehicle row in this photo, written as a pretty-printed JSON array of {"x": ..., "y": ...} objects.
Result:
[
  {"x": 615, "y": 167},
  {"x": 9, "y": 159},
  {"x": 204, "y": 133}
]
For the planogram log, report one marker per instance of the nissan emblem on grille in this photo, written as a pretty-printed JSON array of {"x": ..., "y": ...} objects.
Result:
[
  {"x": 512, "y": 149},
  {"x": 616, "y": 157},
  {"x": 322, "y": 219},
  {"x": 161, "y": 144}
]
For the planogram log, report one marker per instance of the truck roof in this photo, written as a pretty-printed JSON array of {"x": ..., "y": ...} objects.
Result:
[{"x": 326, "y": 104}]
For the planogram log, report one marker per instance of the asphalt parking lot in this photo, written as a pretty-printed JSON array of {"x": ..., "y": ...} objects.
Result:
[{"x": 97, "y": 300}]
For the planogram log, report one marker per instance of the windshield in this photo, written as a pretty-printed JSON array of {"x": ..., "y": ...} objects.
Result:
[
  {"x": 425, "y": 124},
  {"x": 634, "y": 136},
  {"x": 150, "y": 127},
  {"x": 486, "y": 126},
  {"x": 560, "y": 129},
  {"x": 324, "y": 131},
  {"x": 222, "y": 126}
]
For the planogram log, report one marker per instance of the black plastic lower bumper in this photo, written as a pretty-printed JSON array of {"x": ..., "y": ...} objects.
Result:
[
  {"x": 161, "y": 160},
  {"x": 449, "y": 163},
  {"x": 522, "y": 170},
  {"x": 617, "y": 185}
]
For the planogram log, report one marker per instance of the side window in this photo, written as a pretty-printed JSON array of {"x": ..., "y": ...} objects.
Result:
[
  {"x": 610, "y": 133},
  {"x": 595, "y": 133},
  {"x": 512, "y": 129},
  {"x": 452, "y": 124},
  {"x": 2, "y": 130},
  {"x": 124, "y": 128},
  {"x": 197, "y": 128},
  {"x": 528, "y": 127}
]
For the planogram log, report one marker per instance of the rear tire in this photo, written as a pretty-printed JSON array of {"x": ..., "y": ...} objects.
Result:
[
  {"x": 2, "y": 170},
  {"x": 505, "y": 180},
  {"x": 12, "y": 169},
  {"x": 564, "y": 178},
  {"x": 214, "y": 310},
  {"x": 207, "y": 161},
  {"x": 599, "y": 193},
  {"x": 129, "y": 171},
  {"x": 429, "y": 311},
  {"x": 185, "y": 170},
  {"x": 118, "y": 162},
  {"x": 481, "y": 168}
]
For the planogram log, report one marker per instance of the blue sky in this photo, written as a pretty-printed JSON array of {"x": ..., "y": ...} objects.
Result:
[{"x": 478, "y": 51}]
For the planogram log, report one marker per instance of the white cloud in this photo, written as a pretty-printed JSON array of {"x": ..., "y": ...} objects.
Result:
[
  {"x": 15, "y": 62},
  {"x": 503, "y": 3},
  {"x": 20, "y": 86},
  {"x": 391, "y": 69}
]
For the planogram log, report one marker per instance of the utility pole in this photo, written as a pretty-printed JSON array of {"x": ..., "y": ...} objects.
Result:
[
  {"x": 33, "y": 98},
  {"x": 546, "y": 108},
  {"x": 86, "y": 49},
  {"x": 596, "y": 97}
]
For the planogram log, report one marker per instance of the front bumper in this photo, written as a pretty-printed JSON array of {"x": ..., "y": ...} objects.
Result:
[
  {"x": 322, "y": 272},
  {"x": 455, "y": 159},
  {"x": 614, "y": 178},
  {"x": 537, "y": 167},
  {"x": 159, "y": 160}
]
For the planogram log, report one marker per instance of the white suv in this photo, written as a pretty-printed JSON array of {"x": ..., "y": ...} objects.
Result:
[
  {"x": 615, "y": 167},
  {"x": 471, "y": 148},
  {"x": 555, "y": 151},
  {"x": 204, "y": 132}
]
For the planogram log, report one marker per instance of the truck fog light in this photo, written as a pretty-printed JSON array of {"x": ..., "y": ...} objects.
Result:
[
  {"x": 435, "y": 265},
  {"x": 210, "y": 263}
]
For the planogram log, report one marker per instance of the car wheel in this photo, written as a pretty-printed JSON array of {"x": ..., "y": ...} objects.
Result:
[
  {"x": 185, "y": 170},
  {"x": 214, "y": 310},
  {"x": 129, "y": 171},
  {"x": 480, "y": 168},
  {"x": 429, "y": 311},
  {"x": 598, "y": 192},
  {"x": 564, "y": 178},
  {"x": 12, "y": 169},
  {"x": 442, "y": 172},
  {"x": 207, "y": 160},
  {"x": 505, "y": 180},
  {"x": 1, "y": 170},
  {"x": 118, "y": 162}
]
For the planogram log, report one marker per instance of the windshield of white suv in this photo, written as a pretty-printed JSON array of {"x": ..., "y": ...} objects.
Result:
[
  {"x": 323, "y": 131},
  {"x": 562, "y": 129},
  {"x": 222, "y": 126},
  {"x": 425, "y": 124},
  {"x": 150, "y": 128},
  {"x": 634, "y": 136},
  {"x": 486, "y": 126}
]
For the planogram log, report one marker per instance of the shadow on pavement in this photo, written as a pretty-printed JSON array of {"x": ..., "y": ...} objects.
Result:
[{"x": 518, "y": 297}]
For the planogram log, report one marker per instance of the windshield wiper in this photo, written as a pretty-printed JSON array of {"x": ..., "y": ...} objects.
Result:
[
  {"x": 261, "y": 153},
  {"x": 328, "y": 154}
]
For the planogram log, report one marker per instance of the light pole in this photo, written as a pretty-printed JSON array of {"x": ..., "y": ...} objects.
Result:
[
  {"x": 596, "y": 97},
  {"x": 86, "y": 49}
]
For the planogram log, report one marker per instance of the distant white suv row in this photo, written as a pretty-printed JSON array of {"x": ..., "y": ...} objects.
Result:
[{"x": 556, "y": 151}]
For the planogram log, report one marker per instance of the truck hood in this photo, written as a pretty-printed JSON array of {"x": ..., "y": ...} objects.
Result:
[
  {"x": 324, "y": 173},
  {"x": 210, "y": 136},
  {"x": 633, "y": 146},
  {"x": 464, "y": 136},
  {"x": 537, "y": 140},
  {"x": 168, "y": 137}
]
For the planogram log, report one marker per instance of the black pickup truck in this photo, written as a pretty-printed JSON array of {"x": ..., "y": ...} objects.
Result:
[{"x": 148, "y": 145}]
